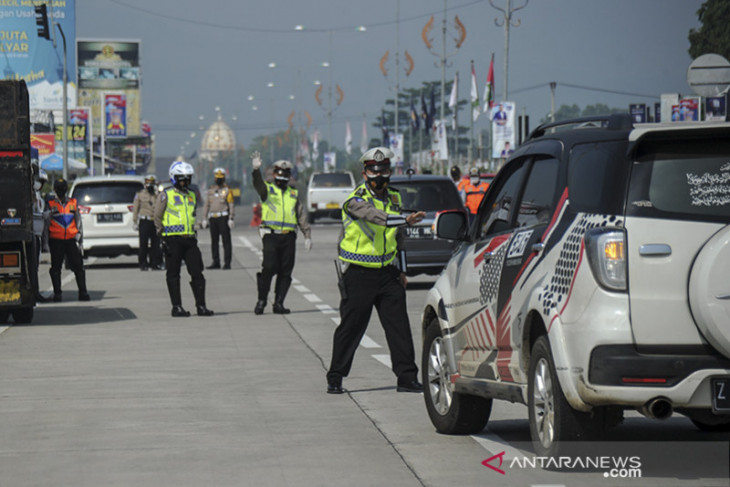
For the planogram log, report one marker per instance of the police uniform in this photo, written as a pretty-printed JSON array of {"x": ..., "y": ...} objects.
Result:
[
  {"x": 281, "y": 213},
  {"x": 218, "y": 209},
  {"x": 474, "y": 193},
  {"x": 370, "y": 248},
  {"x": 174, "y": 218},
  {"x": 64, "y": 240},
  {"x": 149, "y": 242}
]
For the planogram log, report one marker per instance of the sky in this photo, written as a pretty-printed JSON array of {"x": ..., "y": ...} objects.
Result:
[{"x": 205, "y": 58}]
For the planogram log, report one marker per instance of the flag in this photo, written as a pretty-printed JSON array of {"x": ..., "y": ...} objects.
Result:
[
  {"x": 315, "y": 145},
  {"x": 474, "y": 94},
  {"x": 364, "y": 139},
  {"x": 424, "y": 113},
  {"x": 453, "y": 99},
  {"x": 414, "y": 117},
  {"x": 384, "y": 127},
  {"x": 489, "y": 88},
  {"x": 348, "y": 138}
]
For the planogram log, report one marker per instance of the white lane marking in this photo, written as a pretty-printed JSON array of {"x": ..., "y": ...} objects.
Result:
[
  {"x": 3, "y": 328},
  {"x": 383, "y": 359},
  {"x": 295, "y": 280},
  {"x": 494, "y": 443},
  {"x": 368, "y": 342},
  {"x": 336, "y": 320},
  {"x": 326, "y": 309},
  {"x": 312, "y": 298},
  {"x": 302, "y": 289}
]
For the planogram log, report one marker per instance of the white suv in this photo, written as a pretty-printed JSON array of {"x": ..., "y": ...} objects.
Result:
[
  {"x": 106, "y": 204},
  {"x": 326, "y": 191},
  {"x": 594, "y": 280}
]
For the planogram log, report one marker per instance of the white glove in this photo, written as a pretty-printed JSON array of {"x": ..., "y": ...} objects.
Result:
[
  {"x": 256, "y": 160},
  {"x": 307, "y": 244},
  {"x": 204, "y": 224},
  {"x": 136, "y": 227},
  {"x": 231, "y": 224}
]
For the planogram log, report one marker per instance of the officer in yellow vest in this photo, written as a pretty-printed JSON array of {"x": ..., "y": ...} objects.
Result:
[
  {"x": 174, "y": 218},
  {"x": 281, "y": 213},
  {"x": 372, "y": 265}
]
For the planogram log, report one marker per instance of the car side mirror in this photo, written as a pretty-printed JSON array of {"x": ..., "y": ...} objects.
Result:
[{"x": 451, "y": 225}]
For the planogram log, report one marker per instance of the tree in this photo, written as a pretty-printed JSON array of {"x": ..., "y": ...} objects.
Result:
[
  {"x": 714, "y": 35},
  {"x": 573, "y": 111}
]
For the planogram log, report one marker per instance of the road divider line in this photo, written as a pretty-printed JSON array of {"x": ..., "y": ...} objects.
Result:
[
  {"x": 3, "y": 328},
  {"x": 383, "y": 359},
  {"x": 368, "y": 342},
  {"x": 326, "y": 309},
  {"x": 312, "y": 298},
  {"x": 302, "y": 289},
  {"x": 494, "y": 444}
]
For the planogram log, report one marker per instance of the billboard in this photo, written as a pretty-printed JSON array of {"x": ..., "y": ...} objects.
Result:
[
  {"x": 502, "y": 116},
  {"x": 34, "y": 59},
  {"x": 110, "y": 65}
]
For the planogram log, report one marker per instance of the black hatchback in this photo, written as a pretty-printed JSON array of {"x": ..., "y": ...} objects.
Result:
[{"x": 426, "y": 254}]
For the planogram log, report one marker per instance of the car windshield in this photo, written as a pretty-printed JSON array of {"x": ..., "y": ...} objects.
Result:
[
  {"x": 121, "y": 192},
  {"x": 429, "y": 196},
  {"x": 332, "y": 180}
]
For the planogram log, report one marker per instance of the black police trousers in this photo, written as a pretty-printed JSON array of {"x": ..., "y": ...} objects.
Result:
[
  {"x": 279, "y": 254},
  {"x": 149, "y": 245},
  {"x": 70, "y": 250},
  {"x": 177, "y": 249},
  {"x": 219, "y": 229},
  {"x": 365, "y": 288}
]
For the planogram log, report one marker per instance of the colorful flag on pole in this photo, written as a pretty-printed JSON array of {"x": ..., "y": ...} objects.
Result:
[
  {"x": 474, "y": 94},
  {"x": 315, "y": 145},
  {"x": 364, "y": 138},
  {"x": 414, "y": 117},
  {"x": 453, "y": 99},
  {"x": 424, "y": 114},
  {"x": 489, "y": 88},
  {"x": 384, "y": 127},
  {"x": 348, "y": 138}
]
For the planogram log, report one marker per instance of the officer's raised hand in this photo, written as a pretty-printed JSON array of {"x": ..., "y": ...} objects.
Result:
[
  {"x": 256, "y": 160},
  {"x": 415, "y": 217}
]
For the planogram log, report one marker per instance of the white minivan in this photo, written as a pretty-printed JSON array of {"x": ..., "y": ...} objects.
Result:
[{"x": 105, "y": 204}]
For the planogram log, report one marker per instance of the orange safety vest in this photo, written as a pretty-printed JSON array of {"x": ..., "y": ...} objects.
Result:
[
  {"x": 474, "y": 195},
  {"x": 63, "y": 222}
]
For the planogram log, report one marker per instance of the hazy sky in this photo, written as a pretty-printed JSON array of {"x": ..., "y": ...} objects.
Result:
[{"x": 198, "y": 55}]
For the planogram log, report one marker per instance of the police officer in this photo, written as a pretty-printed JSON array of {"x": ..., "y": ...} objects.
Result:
[
  {"x": 143, "y": 218},
  {"x": 371, "y": 248},
  {"x": 39, "y": 179},
  {"x": 218, "y": 211},
  {"x": 174, "y": 218},
  {"x": 64, "y": 239},
  {"x": 281, "y": 212},
  {"x": 474, "y": 192}
]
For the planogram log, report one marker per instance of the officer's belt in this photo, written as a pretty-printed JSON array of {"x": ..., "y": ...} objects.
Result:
[
  {"x": 217, "y": 214},
  {"x": 272, "y": 230},
  {"x": 145, "y": 217}
]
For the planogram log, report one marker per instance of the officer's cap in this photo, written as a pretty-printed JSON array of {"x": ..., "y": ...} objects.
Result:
[
  {"x": 219, "y": 172},
  {"x": 473, "y": 171},
  {"x": 377, "y": 156},
  {"x": 282, "y": 164}
]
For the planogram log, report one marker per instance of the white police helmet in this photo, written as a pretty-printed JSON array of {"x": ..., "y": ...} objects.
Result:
[
  {"x": 180, "y": 170},
  {"x": 42, "y": 176}
]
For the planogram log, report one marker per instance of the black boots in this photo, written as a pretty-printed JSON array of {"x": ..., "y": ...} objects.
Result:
[
  {"x": 198, "y": 287},
  {"x": 259, "y": 309},
  {"x": 279, "y": 308},
  {"x": 282, "y": 287},
  {"x": 263, "y": 289},
  {"x": 179, "y": 312}
]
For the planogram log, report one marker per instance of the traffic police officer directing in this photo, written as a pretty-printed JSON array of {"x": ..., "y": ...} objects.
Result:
[
  {"x": 370, "y": 246},
  {"x": 218, "y": 211},
  {"x": 281, "y": 212},
  {"x": 143, "y": 218},
  {"x": 175, "y": 221}
]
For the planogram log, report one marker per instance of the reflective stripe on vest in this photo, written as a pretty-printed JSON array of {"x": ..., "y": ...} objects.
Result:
[
  {"x": 63, "y": 223},
  {"x": 279, "y": 211},
  {"x": 365, "y": 243},
  {"x": 179, "y": 216}
]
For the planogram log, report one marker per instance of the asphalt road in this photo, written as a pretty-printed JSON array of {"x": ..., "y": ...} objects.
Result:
[{"x": 116, "y": 392}]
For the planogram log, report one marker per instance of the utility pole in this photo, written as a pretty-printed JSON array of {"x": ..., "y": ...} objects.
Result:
[{"x": 506, "y": 21}]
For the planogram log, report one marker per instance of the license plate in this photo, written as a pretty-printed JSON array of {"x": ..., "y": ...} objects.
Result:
[
  {"x": 332, "y": 206},
  {"x": 419, "y": 232},
  {"x": 721, "y": 395},
  {"x": 109, "y": 218},
  {"x": 10, "y": 292}
]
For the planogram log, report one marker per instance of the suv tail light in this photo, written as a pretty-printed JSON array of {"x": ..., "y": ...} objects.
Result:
[
  {"x": 84, "y": 210},
  {"x": 130, "y": 208},
  {"x": 607, "y": 257}
]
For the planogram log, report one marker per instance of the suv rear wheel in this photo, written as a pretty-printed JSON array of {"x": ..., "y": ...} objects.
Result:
[
  {"x": 552, "y": 419},
  {"x": 450, "y": 412}
]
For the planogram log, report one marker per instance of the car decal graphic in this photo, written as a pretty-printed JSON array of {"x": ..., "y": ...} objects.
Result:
[{"x": 504, "y": 354}]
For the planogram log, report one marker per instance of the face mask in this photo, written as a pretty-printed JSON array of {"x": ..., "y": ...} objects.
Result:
[
  {"x": 220, "y": 181},
  {"x": 281, "y": 183},
  {"x": 474, "y": 180},
  {"x": 151, "y": 188},
  {"x": 37, "y": 185},
  {"x": 378, "y": 182}
]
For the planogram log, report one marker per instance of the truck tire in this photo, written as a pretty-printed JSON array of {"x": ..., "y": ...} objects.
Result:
[{"x": 23, "y": 316}]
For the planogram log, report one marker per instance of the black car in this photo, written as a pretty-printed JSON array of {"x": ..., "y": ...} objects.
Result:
[{"x": 424, "y": 253}]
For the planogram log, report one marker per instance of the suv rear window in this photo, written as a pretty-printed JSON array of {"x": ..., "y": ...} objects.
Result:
[
  {"x": 97, "y": 194},
  {"x": 682, "y": 179},
  {"x": 428, "y": 195},
  {"x": 597, "y": 177},
  {"x": 332, "y": 180}
]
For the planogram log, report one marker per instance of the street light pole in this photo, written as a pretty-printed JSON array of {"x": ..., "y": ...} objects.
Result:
[{"x": 506, "y": 22}]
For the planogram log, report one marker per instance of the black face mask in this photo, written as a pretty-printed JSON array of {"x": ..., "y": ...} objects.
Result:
[
  {"x": 378, "y": 182},
  {"x": 281, "y": 183},
  {"x": 220, "y": 181},
  {"x": 182, "y": 183},
  {"x": 151, "y": 188}
]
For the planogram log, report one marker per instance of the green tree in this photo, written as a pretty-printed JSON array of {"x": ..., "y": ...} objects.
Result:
[
  {"x": 573, "y": 111},
  {"x": 714, "y": 35}
]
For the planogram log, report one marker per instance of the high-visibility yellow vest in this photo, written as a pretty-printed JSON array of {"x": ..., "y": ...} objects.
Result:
[
  {"x": 179, "y": 216},
  {"x": 365, "y": 243},
  {"x": 279, "y": 211}
]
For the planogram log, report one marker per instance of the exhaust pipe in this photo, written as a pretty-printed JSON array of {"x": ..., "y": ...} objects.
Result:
[{"x": 657, "y": 408}]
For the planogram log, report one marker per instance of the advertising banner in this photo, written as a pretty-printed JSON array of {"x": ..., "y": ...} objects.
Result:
[
  {"x": 638, "y": 112},
  {"x": 503, "y": 129},
  {"x": 330, "y": 161},
  {"x": 34, "y": 59},
  {"x": 716, "y": 108},
  {"x": 439, "y": 144},
  {"x": 115, "y": 115},
  {"x": 78, "y": 132},
  {"x": 396, "y": 145},
  {"x": 45, "y": 144},
  {"x": 688, "y": 110}
]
